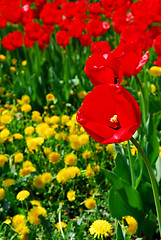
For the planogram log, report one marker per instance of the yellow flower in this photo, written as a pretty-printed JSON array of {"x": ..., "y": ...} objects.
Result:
[
  {"x": 26, "y": 171},
  {"x": 89, "y": 171},
  {"x": 64, "y": 119},
  {"x": 71, "y": 195},
  {"x": 25, "y": 99},
  {"x": 55, "y": 119},
  {"x": 3, "y": 159},
  {"x": 63, "y": 225},
  {"x": 153, "y": 88},
  {"x": 132, "y": 225},
  {"x": 50, "y": 97},
  {"x": 82, "y": 94},
  {"x": 6, "y": 118},
  {"x": 2, "y": 194},
  {"x": 13, "y": 69},
  {"x": 35, "y": 203},
  {"x": 70, "y": 159},
  {"x": 26, "y": 108},
  {"x": 41, "y": 128},
  {"x": 24, "y": 63},
  {"x": 47, "y": 151},
  {"x": 96, "y": 168},
  {"x": 22, "y": 195},
  {"x": 33, "y": 143},
  {"x": 54, "y": 157},
  {"x": 46, "y": 177},
  {"x": 18, "y": 136},
  {"x": 74, "y": 141},
  {"x": 19, "y": 222},
  {"x": 8, "y": 182},
  {"x": 18, "y": 157},
  {"x": 49, "y": 132},
  {"x": 29, "y": 130},
  {"x": 83, "y": 139},
  {"x": 86, "y": 154},
  {"x": 13, "y": 61},
  {"x": 90, "y": 203},
  {"x": 155, "y": 71},
  {"x": 34, "y": 213},
  {"x": 7, "y": 221},
  {"x": 2, "y": 58},
  {"x": 38, "y": 182},
  {"x": 100, "y": 228},
  {"x": 66, "y": 173}
]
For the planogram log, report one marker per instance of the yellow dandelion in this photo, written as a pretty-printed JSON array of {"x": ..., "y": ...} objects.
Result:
[
  {"x": 18, "y": 157},
  {"x": 74, "y": 141},
  {"x": 38, "y": 182},
  {"x": 130, "y": 225},
  {"x": 82, "y": 94},
  {"x": 83, "y": 139},
  {"x": 3, "y": 159},
  {"x": 90, "y": 203},
  {"x": 46, "y": 177},
  {"x": 47, "y": 151},
  {"x": 18, "y": 136},
  {"x": 19, "y": 221},
  {"x": 26, "y": 108},
  {"x": 29, "y": 130},
  {"x": 25, "y": 99},
  {"x": 50, "y": 97},
  {"x": 35, "y": 203},
  {"x": 100, "y": 228},
  {"x": 26, "y": 171},
  {"x": 71, "y": 195},
  {"x": 155, "y": 71},
  {"x": 13, "y": 69},
  {"x": 86, "y": 154},
  {"x": 24, "y": 63},
  {"x": 22, "y": 195},
  {"x": 55, "y": 119},
  {"x": 34, "y": 213},
  {"x": 70, "y": 159},
  {"x": 89, "y": 171},
  {"x": 153, "y": 88},
  {"x": 6, "y": 119},
  {"x": 63, "y": 225},
  {"x": 65, "y": 119},
  {"x": 8, "y": 182},
  {"x": 2, "y": 58},
  {"x": 2, "y": 194},
  {"x": 54, "y": 157},
  {"x": 7, "y": 221}
]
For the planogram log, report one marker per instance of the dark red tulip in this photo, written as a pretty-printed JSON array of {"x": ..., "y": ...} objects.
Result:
[{"x": 109, "y": 114}]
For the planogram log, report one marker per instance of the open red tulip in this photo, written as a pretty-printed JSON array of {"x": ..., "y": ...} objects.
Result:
[{"x": 109, "y": 114}]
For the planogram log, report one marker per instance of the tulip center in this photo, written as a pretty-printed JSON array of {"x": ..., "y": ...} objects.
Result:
[{"x": 115, "y": 122}]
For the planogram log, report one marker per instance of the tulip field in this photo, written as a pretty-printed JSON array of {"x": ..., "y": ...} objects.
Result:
[{"x": 80, "y": 119}]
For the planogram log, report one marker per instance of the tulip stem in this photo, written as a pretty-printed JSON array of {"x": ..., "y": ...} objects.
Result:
[
  {"x": 144, "y": 100},
  {"x": 152, "y": 179}
]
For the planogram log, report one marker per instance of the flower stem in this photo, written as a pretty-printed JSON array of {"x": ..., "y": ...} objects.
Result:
[
  {"x": 144, "y": 98},
  {"x": 152, "y": 179}
]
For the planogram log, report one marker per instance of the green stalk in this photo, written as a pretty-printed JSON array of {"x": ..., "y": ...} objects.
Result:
[
  {"x": 131, "y": 164},
  {"x": 152, "y": 179},
  {"x": 144, "y": 98}
]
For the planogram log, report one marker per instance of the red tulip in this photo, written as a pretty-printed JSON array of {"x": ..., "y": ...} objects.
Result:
[{"x": 109, "y": 114}]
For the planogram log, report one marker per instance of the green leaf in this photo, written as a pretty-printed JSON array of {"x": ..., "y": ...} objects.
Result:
[
  {"x": 152, "y": 146},
  {"x": 123, "y": 199},
  {"x": 122, "y": 168},
  {"x": 149, "y": 226},
  {"x": 120, "y": 233}
]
